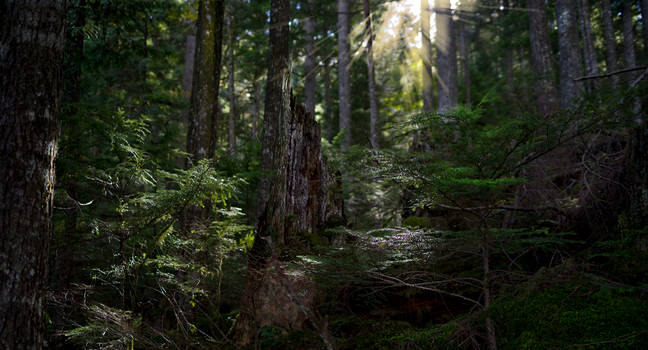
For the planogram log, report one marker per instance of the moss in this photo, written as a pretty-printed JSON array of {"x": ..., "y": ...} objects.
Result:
[{"x": 572, "y": 315}]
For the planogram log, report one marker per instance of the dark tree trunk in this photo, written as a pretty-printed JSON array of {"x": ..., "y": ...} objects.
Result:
[
  {"x": 610, "y": 41},
  {"x": 589, "y": 53},
  {"x": 309, "y": 63},
  {"x": 190, "y": 52},
  {"x": 644, "y": 19},
  {"x": 31, "y": 62},
  {"x": 328, "y": 101},
  {"x": 293, "y": 198},
  {"x": 426, "y": 56},
  {"x": 570, "y": 58},
  {"x": 231, "y": 124},
  {"x": 344, "y": 78},
  {"x": 203, "y": 117},
  {"x": 256, "y": 95},
  {"x": 446, "y": 60},
  {"x": 541, "y": 58},
  {"x": 629, "y": 55},
  {"x": 465, "y": 62},
  {"x": 373, "y": 104}
]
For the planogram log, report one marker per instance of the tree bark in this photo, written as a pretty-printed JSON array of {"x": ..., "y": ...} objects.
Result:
[
  {"x": 256, "y": 95},
  {"x": 344, "y": 79},
  {"x": 465, "y": 62},
  {"x": 610, "y": 41},
  {"x": 446, "y": 60},
  {"x": 203, "y": 116},
  {"x": 570, "y": 58},
  {"x": 31, "y": 67},
  {"x": 589, "y": 53},
  {"x": 231, "y": 132},
  {"x": 373, "y": 105},
  {"x": 309, "y": 63},
  {"x": 190, "y": 52},
  {"x": 541, "y": 58},
  {"x": 328, "y": 100},
  {"x": 629, "y": 55},
  {"x": 644, "y": 19},
  {"x": 292, "y": 198},
  {"x": 426, "y": 56}
]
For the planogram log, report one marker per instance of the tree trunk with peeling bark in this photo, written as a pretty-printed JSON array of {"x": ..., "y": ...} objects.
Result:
[
  {"x": 293, "y": 198},
  {"x": 31, "y": 67}
]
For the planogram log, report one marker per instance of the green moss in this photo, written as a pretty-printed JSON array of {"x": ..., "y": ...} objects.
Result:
[{"x": 572, "y": 315}]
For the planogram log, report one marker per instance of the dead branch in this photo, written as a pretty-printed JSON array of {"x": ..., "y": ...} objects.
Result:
[{"x": 609, "y": 74}]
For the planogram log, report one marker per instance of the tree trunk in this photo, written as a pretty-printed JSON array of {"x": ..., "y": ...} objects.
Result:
[
  {"x": 541, "y": 58},
  {"x": 426, "y": 56},
  {"x": 344, "y": 63},
  {"x": 570, "y": 58},
  {"x": 373, "y": 106},
  {"x": 231, "y": 132},
  {"x": 628, "y": 37},
  {"x": 270, "y": 209},
  {"x": 190, "y": 52},
  {"x": 309, "y": 63},
  {"x": 203, "y": 116},
  {"x": 31, "y": 67},
  {"x": 328, "y": 100},
  {"x": 465, "y": 62},
  {"x": 257, "y": 107},
  {"x": 644, "y": 19},
  {"x": 589, "y": 53},
  {"x": 296, "y": 189},
  {"x": 446, "y": 60},
  {"x": 610, "y": 41}
]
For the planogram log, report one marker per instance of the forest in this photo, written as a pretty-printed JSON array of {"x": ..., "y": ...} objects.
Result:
[{"x": 310, "y": 174}]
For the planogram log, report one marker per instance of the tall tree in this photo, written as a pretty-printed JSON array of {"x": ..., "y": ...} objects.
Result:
[
  {"x": 426, "y": 56},
  {"x": 31, "y": 62},
  {"x": 610, "y": 40},
  {"x": 644, "y": 18},
  {"x": 275, "y": 122},
  {"x": 328, "y": 101},
  {"x": 231, "y": 132},
  {"x": 190, "y": 52},
  {"x": 292, "y": 198},
  {"x": 446, "y": 59},
  {"x": 541, "y": 57},
  {"x": 629, "y": 54},
  {"x": 203, "y": 116},
  {"x": 373, "y": 105},
  {"x": 589, "y": 53},
  {"x": 570, "y": 58},
  {"x": 344, "y": 76},
  {"x": 465, "y": 62},
  {"x": 309, "y": 62}
]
